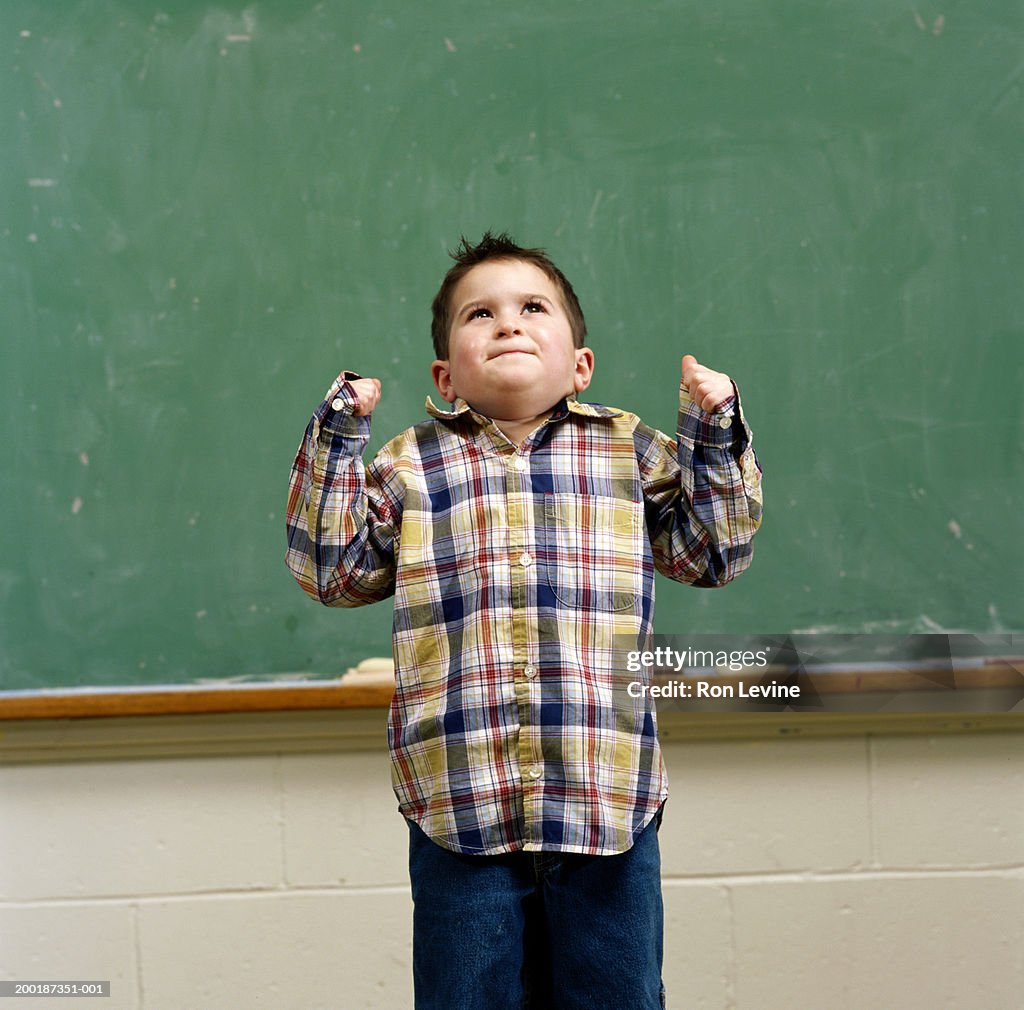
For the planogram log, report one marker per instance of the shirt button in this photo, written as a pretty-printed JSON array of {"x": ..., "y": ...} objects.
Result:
[
  {"x": 525, "y": 560},
  {"x": 724, "y": 421},
  {"x": 521, "y": 463},
  {"x": 534, "y": 772},
  {"x": 337, "y": 404},
  {"x": 530, "y": 671}
]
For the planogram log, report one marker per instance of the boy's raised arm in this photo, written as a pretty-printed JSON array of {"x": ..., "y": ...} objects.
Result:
[
  {"x": 702, "y": 493},
  {"x": 341, "y": 522}
]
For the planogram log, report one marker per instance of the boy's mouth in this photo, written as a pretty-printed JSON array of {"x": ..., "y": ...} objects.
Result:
[{"x": 511, "y": 350}]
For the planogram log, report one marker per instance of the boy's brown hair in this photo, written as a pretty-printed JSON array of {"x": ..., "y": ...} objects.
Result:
[{"x": 498, "y": 247}]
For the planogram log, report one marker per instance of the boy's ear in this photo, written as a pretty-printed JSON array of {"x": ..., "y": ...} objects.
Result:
[
  {"x": 442, "y": 376},
  {"x": 584, "y": 369}
]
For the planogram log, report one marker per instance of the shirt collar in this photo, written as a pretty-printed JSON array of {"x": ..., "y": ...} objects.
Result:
[{"x": 567, "y": 405}]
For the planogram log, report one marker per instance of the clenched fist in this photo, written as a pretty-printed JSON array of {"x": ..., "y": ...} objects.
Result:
[
  {"x": 707, "y": 388},
  {"x": 367, "y": 393}
]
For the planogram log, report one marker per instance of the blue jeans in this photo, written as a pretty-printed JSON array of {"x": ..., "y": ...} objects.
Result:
[{"x": 537, "y": 930}]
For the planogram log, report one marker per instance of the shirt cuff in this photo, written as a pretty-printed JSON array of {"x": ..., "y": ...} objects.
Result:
[
  {"x": 336, "y": 414},
  {"x": 724, "y": 427}
]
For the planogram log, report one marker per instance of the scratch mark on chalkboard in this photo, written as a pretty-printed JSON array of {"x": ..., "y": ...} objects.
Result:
[
  {"x": 76, "y": 506},
  {"x": 874, "y": 355},
  {"x": 200, "y": 614},
  {"x": 730, "y": 265},
  {"x": 42, "y": 183},
  {"x": 57, "y": 103},
  {"x": 907, "y": 626},
  {"x": 954, "y": 527},
  {"x": 593, "y": 208},
  {"x": 737, "y": 276},
  {"x": 450, "y": 46},
  {"x": 937, "y": 26},
  {"x": 83, "y": 458},
  {"x": 357, "y": 48},
  {"x": 1007, "y": 90},
  {"x": 865, "y": 483},
  {"x": 160, "y": 363},
  {"x": 925, "y": 428},
  {"x": 238, "y": 38}
]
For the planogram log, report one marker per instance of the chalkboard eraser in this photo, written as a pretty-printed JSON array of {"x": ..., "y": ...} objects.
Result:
[{"x": 375, "y": 670}]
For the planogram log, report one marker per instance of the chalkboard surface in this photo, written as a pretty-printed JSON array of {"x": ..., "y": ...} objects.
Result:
[{"x": 209, "y": 209}]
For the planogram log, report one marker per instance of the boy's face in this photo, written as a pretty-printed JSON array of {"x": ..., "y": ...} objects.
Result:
[{"x": 510, "y": 350}]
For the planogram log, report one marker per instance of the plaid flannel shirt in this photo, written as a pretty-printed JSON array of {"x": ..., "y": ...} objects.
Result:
[{"x": 519, "y": 573}]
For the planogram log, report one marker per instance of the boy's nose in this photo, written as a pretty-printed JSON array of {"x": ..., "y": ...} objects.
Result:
[{"x": 507, "y": 326}]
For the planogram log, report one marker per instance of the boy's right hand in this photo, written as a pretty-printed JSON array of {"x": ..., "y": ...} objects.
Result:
[{"x": 368, "y": 393}]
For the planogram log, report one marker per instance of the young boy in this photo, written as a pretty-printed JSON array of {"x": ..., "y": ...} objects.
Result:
[{"x": 519, "y": 532}]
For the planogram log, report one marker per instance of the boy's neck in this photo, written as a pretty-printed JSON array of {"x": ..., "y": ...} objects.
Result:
[{"x": 517, "y": 431}]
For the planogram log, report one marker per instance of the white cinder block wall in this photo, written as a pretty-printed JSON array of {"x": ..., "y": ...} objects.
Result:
[{"x": 861, "y": 873}]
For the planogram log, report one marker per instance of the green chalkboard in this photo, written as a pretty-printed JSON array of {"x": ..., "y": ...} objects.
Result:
[{"x": 209, "y": 209}]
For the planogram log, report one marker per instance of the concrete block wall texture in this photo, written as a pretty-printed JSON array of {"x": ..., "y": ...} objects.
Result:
[
  {"x": 849, "y": 873},
  {"x": 854, "y": 874}
]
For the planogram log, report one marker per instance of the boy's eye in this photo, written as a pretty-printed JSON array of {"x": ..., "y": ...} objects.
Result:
[
  {"x": 533, "y": 307},
  {"x": 479, "y": 313}
]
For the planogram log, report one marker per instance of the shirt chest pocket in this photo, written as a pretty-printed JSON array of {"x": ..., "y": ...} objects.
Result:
[{"x": 594, "y": 551}]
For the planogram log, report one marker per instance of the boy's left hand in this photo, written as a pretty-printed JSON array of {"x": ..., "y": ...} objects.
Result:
[{"x": 707, "y": 388}]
